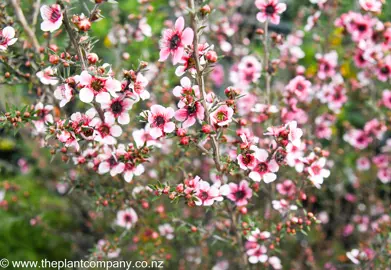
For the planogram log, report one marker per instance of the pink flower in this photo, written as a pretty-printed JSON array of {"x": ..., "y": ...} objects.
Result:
[
  {"x": 238, "y": 193},
  {"x": 300, "y": 87},
  {"x": 222, "y": 116},
  {"x": 97, "y": 87},
  {"x": 143, "y": 136},
  {"x": 207, "y": 194},
  {"x": 159, "y": 120},
  {"x": 118, "y": 108},
  {"x": 166, "y": 230},
  {"x": 186, "y": 92},
  {"x": 287, "y": 188},
  {"x": 64, "y": 93},
  {"x": 247, "y": 161},
  {"x": 358, "y": 138},
  {"x": 52, "y": 17},
  {"x": 327, "y": 64},
  {"x": 386, "y": 99},
  {"x": 110, "y": 160},
  {"x": 295, "y": 133},
  {"x": 126, "y": 218},
  {"x": 317, "y": 172},
  {"x": 264, "y": 169},
  {"x": 257, "y": 254},
  {"x": 363, "y": 164},
  {"x": 7, "y": 38},
  {"x": 384, "y": 174},
  {"x": 190, "y": 113},
  {"x": 138, "y": 87},
  {"x": 269, "y": 9},
  {"x": 371, "y": 5},
  {"x": 384, "y": 69},
  {"x": 130, "y": 170},
  {"x": 46, "y": 76},
  {"x": 105, "y": 132},
  {"x": 175, "y": 40},
  {"x": 44, "y": 117}
]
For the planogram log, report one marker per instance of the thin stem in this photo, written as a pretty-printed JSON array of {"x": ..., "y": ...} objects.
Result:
[
  {"x": 79, "y": 51},
  {"x": 201, "y": 83},
  {"x": 266, "y": 60},
  {"x": 94, "y": 11},
  {"x": 30, "y": 33}
]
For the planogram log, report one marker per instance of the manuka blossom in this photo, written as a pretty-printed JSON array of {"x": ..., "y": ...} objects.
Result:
[
  {"x": 98, "y": 87},
  {"x": 300, "y": 87},
  {"x": 63, "y": 93},
  {"x": 138, "y": 87},
  {"x": 7, "y": 38},
  {"x": 317, "y": 172},
  {"x": 110, "y": 160},
  {"x": 190, "y": 113},
  {"x": 174, "y": 41},
  {"x": 269, "y": 9},
  {"x": 126, "y": 218},
  {"x": 222, "y": 116},
  {"x": 167, "y": 231},
  {"x": 327, "y": 64},
  {"x": 265, "y": 168},
  {"x": 47, "y": 77},
  {"x": 105, "y": 132},
  {"x": 386, "y": 99},
  {"x": 159, "y": 119},
  {"x": 44, "y": 117},
  {"x": 257, "y": 254},
  {"x": 207, "y": 194},
  {"x": 238, "y": 193},
  {"x": 117, "y": 108},
  {"x": 52, "y": 17},
  {"x": 371, "y": 5}
]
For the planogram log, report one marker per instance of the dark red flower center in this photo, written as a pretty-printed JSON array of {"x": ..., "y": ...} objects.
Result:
[
  {"x": 191, "y": 109},
  {"x": 127, "y": 218},
  {"x": 104, "y": 130},
  {"x": 385, "y": 70},
  {"x": 240, "y": 194},
  {"x": 97, "y": 85},
  {"x": 270, "y": 9},
  {"x": 159, "y": 120},
  {"x": 55, "y": 15},
  {"x": 174, "y": 42},
  {"x": 116, "y": 107},
  {"x": 204, "y": 195},
  {"x": 262, "y": 167}
]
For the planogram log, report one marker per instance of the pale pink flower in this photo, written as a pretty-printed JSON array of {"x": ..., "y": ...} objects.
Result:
[
  {"x": 105, "y": 132},
  {"x": 269, "y": 9},
  {"x": 174, "y": 41},
  {"x": 126, "y": 218},
  {"x": 7, "y": 38},
  {"x": 98, "y": 87},
  {"x": 52, "y": 17},
  {"x": 317, "y": 172},
  {"x": 257, "y": 254},
  {"x": 265, "y": 168},
  {"x": 222, "y": 116},
  {"x": 117, "y": 108},
  {"x": 44, "y": 117},
  {"x": 131, "y": 170},
  {"x": 138, "y": 87},
  {"x": 363, "y": 164},
  {"x": 190, "y": 113},
  {"x": 295, "y": 133},
  {"x": 47, "y": 77},
  {"x": 238, "y": 193},
  {"x": 166, "y": 230},
  {"x": 64, "y": 93},
  {"x": 386, "y": 99},
  {"x": 371, "y": 5},
  {"x": 207, "y": 194},
  {"x": 110, "y": 160},
  {"x": 327, "y": 64},
  {"x": 159, "y": 119},
  {"x": 287, "y": 188}
]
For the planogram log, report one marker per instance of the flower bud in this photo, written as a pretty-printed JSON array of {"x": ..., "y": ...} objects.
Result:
[
  {"x": 211, "y": 56},
  {"x": 92, "y": 58}
]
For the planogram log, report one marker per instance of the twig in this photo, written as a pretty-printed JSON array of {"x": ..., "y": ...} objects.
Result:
[
  {"x": 266, "y": 60},
  {"x": 37, "y": 6},
  {"x": 19, "y": 14},
  {"x": 201, "y": 83}
]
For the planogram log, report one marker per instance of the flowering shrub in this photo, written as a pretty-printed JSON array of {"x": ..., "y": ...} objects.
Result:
[{"x": 273, "y": 149}]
